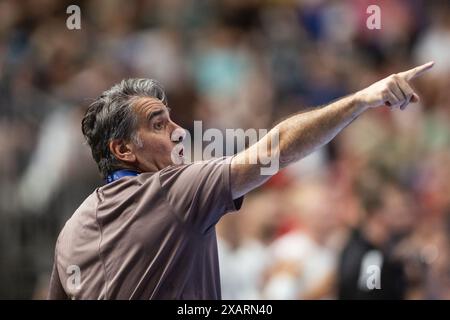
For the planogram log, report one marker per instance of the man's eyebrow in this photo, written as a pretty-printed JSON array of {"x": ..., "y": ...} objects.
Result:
[{"x": 156, "y": 113}]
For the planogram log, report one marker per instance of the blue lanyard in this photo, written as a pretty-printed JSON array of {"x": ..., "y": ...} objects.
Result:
[{"x": 116, "y": 175}]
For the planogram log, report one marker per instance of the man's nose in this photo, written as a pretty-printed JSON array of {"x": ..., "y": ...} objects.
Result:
[{"x": 178, "y": 135}]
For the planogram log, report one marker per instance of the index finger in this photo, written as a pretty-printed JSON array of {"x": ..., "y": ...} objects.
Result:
[{"x": 417, "y": 71}]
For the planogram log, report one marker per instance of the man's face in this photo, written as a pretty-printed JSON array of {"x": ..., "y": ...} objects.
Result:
[{"x": 157, "y": 136}]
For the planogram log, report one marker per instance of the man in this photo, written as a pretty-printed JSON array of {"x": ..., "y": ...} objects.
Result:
[{"x": 149, "y": 233}]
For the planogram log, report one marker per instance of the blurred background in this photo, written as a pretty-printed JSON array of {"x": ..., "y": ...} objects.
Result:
[{"x": 378, "y": 195}]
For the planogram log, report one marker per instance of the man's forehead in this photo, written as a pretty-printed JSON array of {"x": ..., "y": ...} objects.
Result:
[{"x": 145, "y": 105}]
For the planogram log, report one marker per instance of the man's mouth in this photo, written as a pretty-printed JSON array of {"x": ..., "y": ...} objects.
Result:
[{"x": 177, "y": 154}]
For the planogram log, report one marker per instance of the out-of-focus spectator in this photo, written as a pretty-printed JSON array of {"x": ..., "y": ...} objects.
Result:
[
  {"x": 243, "y": 246},
  {"x": 368, "y": 266},
  {"x": 303, "y": 261}
]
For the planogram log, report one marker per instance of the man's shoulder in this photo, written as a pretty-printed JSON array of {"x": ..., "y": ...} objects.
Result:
[
  {"x": 195, "y": 165},
  {"x": 83, "y": 215}
]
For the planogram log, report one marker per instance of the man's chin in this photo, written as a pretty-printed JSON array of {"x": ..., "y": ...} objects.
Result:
[{"x": 177, "y": 159}]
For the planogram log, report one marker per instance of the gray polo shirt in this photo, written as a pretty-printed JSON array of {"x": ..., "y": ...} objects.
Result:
[{"x": 150, "y": 236}]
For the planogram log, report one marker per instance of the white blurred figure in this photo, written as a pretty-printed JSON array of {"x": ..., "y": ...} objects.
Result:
[
  {"x": 241, "y": 269},
  {"x": 48, "y": 167},
  {"x": 243, "y": 249},
  {"x": 303, "y": 262}
]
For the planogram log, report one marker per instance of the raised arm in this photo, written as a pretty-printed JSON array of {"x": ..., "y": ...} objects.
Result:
[{"x": 302, "y": 133}]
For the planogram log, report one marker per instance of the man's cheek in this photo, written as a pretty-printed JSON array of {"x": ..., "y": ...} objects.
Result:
[{"x": 162, "y": 150}]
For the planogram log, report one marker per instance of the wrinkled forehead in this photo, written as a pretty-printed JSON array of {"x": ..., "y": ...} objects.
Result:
[{"x": 143, "y": 106}]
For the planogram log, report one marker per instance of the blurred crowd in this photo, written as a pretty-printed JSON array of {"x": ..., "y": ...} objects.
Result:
[{"x": 376, "y": 200}]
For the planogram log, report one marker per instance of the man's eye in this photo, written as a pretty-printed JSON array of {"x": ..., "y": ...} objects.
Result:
[{"x": 158, "y": 125}]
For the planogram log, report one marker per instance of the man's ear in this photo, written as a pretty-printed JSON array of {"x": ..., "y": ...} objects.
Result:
[{"x": 122, "y": 150}]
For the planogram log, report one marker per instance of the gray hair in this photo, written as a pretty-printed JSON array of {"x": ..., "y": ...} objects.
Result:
[{"x": 111, "y": 117}]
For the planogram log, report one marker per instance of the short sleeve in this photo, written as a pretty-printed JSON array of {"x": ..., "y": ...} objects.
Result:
[{"x": 200, "y": 193}]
